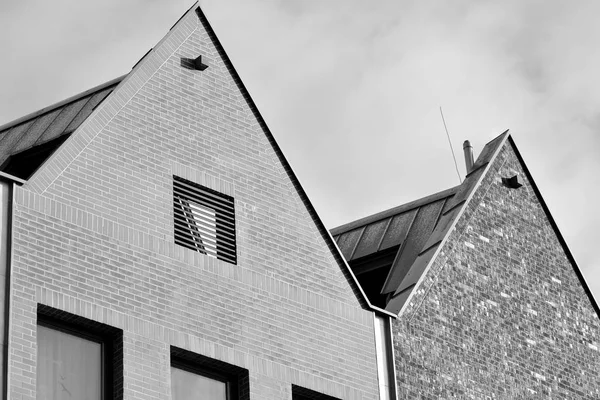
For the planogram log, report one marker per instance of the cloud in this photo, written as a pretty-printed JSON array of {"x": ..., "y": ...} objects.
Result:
[
  {"x": 352, "y": 94},
  {"x": 352, "y": 89}
]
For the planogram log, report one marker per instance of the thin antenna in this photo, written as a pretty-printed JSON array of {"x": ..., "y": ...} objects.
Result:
[{"x": 450, "y": 142}]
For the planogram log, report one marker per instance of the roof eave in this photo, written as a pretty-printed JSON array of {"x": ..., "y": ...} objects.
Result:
[{"x": 8, "y": 177}]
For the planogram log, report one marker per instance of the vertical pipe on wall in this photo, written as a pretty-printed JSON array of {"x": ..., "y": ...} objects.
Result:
[
  {"x": 6, "y": 203},
  {"x": 385, "y": 362}
]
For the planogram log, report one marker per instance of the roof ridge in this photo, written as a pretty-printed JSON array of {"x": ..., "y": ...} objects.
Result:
[
  {"x": 394, "y": 210},
  {"x": 61, "y": 103}
]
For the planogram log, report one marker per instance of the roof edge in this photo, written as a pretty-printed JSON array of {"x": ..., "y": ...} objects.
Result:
[
  {"x": 325, "y": 234},
  {"x": 554, "y": 226},
  {"x": 8, "y": 177},
  {"x": 395, "y": 210},
  {"x": 61, "y": 103},
  {"x": 503, "y": 137},
  {"x": 103, "y": 113}
]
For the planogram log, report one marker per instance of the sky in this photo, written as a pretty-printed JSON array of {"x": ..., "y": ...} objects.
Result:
[{"x": 352, "y": 90}]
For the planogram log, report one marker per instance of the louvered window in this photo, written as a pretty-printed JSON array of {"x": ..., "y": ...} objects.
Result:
[{"x": 204, "y": 220}]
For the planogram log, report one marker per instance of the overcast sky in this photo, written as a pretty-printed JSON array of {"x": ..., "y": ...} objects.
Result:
[{"x": 352, "y": 89}]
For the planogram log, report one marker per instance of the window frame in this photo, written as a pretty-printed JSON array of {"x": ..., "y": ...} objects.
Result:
[
  {"x": 236, "y": 378},
  {"x": 231, "y": 392},
  {"x": 105, "y": 373},
  {"x": 109, "y": 338},
  {"x": 302, "y": 393}
]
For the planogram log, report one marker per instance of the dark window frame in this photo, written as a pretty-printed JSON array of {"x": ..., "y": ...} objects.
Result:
[
  {"x": 236, "y": 378},
  {"x": 301, "y": 393},
  {"x": 229, "y": 381},
  {"x": 110, "y": 339}
]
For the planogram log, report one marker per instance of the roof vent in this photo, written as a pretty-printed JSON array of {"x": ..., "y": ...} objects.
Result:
[
  {"x": 514, "y": 182},
  {"x": 204, "y": 220},
  {"x": 468, "y": 149}
]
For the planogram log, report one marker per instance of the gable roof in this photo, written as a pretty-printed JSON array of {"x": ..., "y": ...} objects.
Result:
[
  {"x": 388, "y": 228},
  {"x": 54, "y": 124},
  {"x": 380, "y": 246},
  {"x": 415, "y": 242},
  {"x": 27, "y": 142},
  {"x": 414, "y": 232},
  {"x": 454, "y": 209}
]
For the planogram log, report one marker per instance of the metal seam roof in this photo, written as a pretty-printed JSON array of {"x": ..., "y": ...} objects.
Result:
[
  {"x": 43, "y": 126},
  {"x": 425, "y": 224},
  {"x": 393, "y": 211},
  {"x": 437, "y": 238},
  {"x": 361, "y": 238},
  {"x": 61, "y": 103}
]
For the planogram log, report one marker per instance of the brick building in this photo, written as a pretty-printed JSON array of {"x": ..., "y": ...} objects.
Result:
[
  {"x": 490, "y": 301},
  {"x": 156, "y": 244}
]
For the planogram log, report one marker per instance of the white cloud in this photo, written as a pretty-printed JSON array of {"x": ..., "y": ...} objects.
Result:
[{"x": 351, "y": 89}]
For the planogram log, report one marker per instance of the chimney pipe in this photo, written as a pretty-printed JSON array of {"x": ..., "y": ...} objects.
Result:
[{"x": 468, "y": 155}]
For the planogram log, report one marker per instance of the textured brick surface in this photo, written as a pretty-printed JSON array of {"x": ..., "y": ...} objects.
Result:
[
  {"x": 501, "y": 313},
  {"x": 93, "y": 236}
]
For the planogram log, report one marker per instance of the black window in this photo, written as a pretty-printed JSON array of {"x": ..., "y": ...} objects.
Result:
[
  {"x": 194, "y": 377},
  {"x": 77, "y": 358},
  {"x": 204, "y": 220}
]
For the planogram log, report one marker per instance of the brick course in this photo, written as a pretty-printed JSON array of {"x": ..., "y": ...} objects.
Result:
[
  {"x": 93, "y": 236},
  {"x": 501, "y": 313}
]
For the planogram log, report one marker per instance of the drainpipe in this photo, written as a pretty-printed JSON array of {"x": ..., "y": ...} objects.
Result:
[{"x": 8, "y": 185}]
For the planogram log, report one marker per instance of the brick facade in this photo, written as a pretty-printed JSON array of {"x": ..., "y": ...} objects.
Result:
[
  {"x": 93, "y": 236},
  {"x": 501, "y": 314}
]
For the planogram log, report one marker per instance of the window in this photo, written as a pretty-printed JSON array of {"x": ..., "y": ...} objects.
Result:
[
  {"x": 188, "y": 383},
  {"x": 77, "y": 358},
  {"x": 195, "y": 377},
  {"x": 204, "y": 220}
]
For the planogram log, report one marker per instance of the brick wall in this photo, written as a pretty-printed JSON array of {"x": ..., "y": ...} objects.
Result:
[
  {"x": 93, "y": 236},
  {"x": 501, "y": 313}
]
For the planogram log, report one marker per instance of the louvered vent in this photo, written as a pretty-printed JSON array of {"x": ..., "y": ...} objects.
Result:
[{"x": 204, "y": 220}]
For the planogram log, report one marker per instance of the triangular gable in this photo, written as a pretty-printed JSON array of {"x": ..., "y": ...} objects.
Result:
[
  {"x": 455, "y": 221},
  {"x": 501, "y": 309},
  {"x": 446, "y": 224},
  {"x": 56, "y": 177}
]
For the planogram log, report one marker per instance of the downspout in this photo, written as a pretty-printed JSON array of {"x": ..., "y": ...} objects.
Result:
[
  {"x": 6, "y": 201},
  {"x": 7, "y": 204},
  {"x": 384, "y": 349},
  {"x": 392, "y": 360}
]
